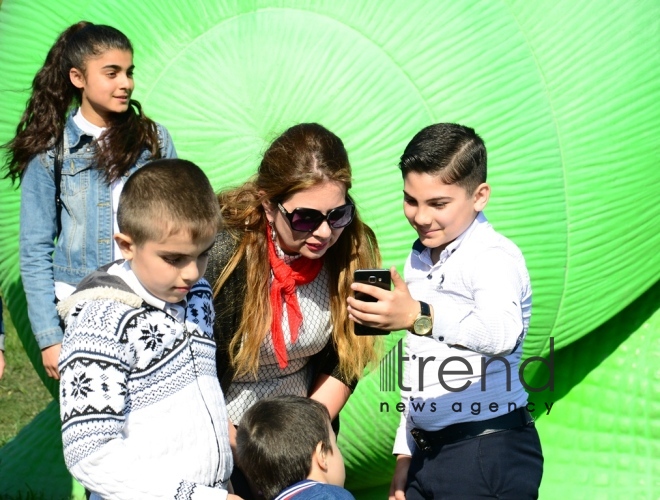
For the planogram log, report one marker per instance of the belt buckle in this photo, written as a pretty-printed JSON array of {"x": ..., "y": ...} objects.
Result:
[{"x": 421, "y": 440}]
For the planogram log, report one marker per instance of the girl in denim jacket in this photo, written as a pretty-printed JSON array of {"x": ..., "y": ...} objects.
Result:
[{"x": 81, "y": 98}]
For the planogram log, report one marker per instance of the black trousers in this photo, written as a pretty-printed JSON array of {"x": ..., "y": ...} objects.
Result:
[{"x": 504, "y": 465}]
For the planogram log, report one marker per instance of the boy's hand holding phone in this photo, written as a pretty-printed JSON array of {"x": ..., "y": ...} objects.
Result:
[{"x": 393, "y": 310}]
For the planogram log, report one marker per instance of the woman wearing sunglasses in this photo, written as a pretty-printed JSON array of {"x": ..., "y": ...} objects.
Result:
[{"x": 281, "y": 269}]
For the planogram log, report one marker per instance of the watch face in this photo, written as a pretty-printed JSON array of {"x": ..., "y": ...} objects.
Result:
[{"x": 423, "y": 325}]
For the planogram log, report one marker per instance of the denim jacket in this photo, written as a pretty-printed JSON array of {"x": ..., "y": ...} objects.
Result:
[{"x": 85, "y": 242}]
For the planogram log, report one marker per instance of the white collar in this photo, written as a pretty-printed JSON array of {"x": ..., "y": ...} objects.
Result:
[
  {"x": 124, "y": 271},
  {"x": 86, "y": 126},
  {"x": 454, "y": 245}
]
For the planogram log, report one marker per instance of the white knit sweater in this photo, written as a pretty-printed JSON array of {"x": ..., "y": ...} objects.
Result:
[{"x": 143, "y": 415}]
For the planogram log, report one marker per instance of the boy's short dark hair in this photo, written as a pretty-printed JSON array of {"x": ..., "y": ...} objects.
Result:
[
  {"x": 276, "y": 440},
  {"x": 164, "y": 197},
  {"x": 453, "y": 152}
]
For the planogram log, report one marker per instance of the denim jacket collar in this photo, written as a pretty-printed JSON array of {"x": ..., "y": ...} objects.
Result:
[{"x": 72, "y": 132}]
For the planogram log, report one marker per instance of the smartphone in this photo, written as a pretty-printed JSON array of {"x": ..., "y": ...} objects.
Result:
[{"x": 375, "y": 277}]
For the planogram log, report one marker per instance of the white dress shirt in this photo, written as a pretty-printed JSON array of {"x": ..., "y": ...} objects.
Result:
[{"x": 481, "y": 297}]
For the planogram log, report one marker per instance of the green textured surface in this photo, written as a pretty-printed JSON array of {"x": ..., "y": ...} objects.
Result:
[
  {"x": 601, "y": 439},
  {"x": 565, "y": 94},
  {"x": 32, "y": 461}
]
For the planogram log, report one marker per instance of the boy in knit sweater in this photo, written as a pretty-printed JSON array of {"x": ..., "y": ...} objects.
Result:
[{"x": 143, "y": 415}]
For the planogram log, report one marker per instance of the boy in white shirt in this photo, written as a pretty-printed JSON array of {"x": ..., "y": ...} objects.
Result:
[
  {"x": 466, "y": 302},
  {"x": 143, "y": 414}
]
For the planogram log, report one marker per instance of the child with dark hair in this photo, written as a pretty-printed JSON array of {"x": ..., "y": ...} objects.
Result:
[
  {"x": 143, "y": 414},
  {"x": 466, "y": 302},
  {"x": 80, "y": 137},
  {"x": 287, "y": 448}
]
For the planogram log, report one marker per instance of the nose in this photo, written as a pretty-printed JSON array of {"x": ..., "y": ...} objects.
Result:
[
  {"x": 126, "y": 82},
  {"x": 191, "y": 273},
  {"x": 422, "y": 217},
  {"x": 324, "y": 231}
]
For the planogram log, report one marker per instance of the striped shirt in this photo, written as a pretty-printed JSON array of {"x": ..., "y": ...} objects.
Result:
[{"x": 309, "y": 489}]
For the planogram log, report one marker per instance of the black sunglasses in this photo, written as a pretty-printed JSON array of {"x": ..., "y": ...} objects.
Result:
[{"x": 309, "y": 219}]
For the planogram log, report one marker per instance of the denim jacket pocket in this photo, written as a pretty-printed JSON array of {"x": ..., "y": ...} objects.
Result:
[{"x": 76, "y": 176}]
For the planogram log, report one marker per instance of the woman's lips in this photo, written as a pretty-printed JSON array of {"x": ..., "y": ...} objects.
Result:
[{"x": 315, "y": 247}]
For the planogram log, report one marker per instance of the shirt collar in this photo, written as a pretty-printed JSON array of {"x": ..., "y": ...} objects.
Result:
[
  {"x": 425, "y": 252},
  {"x": 177, "y": 310},
  {"x": 86, "y": 126}
]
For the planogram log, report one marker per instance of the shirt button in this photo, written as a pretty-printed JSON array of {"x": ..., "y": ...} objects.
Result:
[{"x": 441, "y": 339}]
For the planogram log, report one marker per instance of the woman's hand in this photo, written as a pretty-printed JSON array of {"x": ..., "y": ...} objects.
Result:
[
  {"x": 398, "y": 486},
  {"x": 395, "y": 310}
]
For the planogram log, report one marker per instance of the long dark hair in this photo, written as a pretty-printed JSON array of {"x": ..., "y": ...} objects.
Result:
[{"x": 53, "y": 94}]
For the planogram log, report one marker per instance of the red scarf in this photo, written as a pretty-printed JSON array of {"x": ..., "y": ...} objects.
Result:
[{"x": 285, "y": 279}]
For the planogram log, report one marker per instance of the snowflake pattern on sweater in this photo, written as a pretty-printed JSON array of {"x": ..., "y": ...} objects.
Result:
[{"x": 143, "y": 415}]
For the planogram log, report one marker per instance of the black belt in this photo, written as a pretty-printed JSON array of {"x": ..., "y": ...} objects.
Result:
[{"x": 466, "y": 430}]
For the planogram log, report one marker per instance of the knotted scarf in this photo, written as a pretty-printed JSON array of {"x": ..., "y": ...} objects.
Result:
[{"x": 285, "y": 279}]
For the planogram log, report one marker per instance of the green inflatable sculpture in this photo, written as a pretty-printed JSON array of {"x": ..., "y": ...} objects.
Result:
[{"x": 567, "y": 97}]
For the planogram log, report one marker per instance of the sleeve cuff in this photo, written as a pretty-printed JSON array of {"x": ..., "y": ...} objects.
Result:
[
  {"x": 48, "y": 338},
  {"x": 401, "y": 442}
]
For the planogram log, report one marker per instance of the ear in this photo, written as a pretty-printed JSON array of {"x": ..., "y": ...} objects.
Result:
[
  {"x": 481, "y": 196},
  {"x": 269, "y": 208},
  {"x": 126, "y": 245},
  {"x": 319, "y": 458},
  {"x": 77, "y": 78}
]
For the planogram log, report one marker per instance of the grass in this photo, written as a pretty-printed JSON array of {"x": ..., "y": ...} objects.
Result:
[{"x": 22, "y": 394}]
